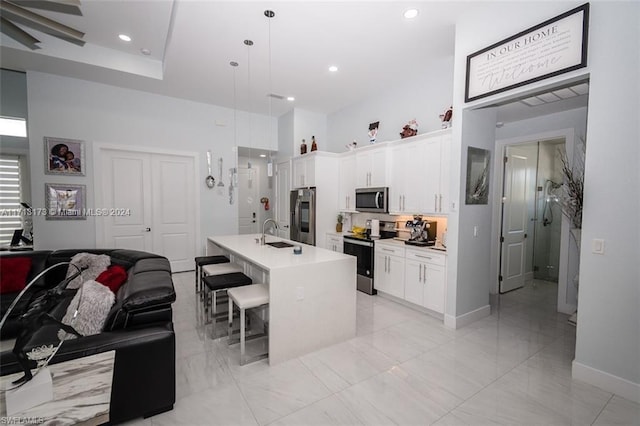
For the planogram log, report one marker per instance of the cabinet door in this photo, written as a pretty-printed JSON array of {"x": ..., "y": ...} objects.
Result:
[
  {"x": 363, "y": 169},
  {"x": 414, "y": 178},
  {"x": 346, "y": 190},
  {"x": 310, "y": 172},
  {"x": 430, "y": 190},
  {"x": 395, "y": 276},
  {"x": 445, "y": 171},
  {"x": 299, "y": 166},
  {"x": 397, "y": 179},
  {"x": 381, "y": 277},
  {"x": 413, "y": 282},
  {"x": 434, "y": 288},
  {"x": 378, "y": 176}
]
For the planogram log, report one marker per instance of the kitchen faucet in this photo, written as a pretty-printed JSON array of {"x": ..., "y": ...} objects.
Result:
[{"x": 275, "y": 225}]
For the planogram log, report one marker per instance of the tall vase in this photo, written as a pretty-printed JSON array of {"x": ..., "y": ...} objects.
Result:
[{"x": 576, "y": 233}]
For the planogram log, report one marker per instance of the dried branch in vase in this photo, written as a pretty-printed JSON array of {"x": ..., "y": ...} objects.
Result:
[{"x": 573, "y": 185}]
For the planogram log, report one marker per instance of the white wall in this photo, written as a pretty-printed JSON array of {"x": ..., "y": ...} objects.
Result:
[
  {"x": 608, "y": 334},
  {"x": 608, "y": 337},
  {"x": 394, "y": 105},
  {"x": 307, "y": 124},
  {"x": 76, "y": 109},
  {"x": 286, "y": 140}
]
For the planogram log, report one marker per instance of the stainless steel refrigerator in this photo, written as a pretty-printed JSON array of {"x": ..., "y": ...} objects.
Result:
[{"x": 303, "y": 215}]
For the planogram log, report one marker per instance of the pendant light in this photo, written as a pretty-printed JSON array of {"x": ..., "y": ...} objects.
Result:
[
  {"x": 270, "y": 14},
  {"x": 249, "y": 43},
  {"x": 233, "y": 170}
]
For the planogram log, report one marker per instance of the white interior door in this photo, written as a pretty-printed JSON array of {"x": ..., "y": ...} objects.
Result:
[
  {"x": 173, "y": 210},
  {"x": 158, "y": 192},
  {"x": 514, "y": 220},
  {"x": 126, "y": 184},
  {"x": 248, "y": 203},
  {"x": 283, "y": 201}
]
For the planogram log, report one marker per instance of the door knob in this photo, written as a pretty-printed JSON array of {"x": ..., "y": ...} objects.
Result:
[{"x": 146, "y": 230}]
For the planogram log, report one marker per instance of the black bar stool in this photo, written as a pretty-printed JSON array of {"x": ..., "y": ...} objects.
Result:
[
  {"x": 206, "y": 260},
  {"x": 216, "y": 283}
]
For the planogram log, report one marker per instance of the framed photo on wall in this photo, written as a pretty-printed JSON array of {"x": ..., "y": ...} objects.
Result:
[
  {"x": 478, "y": 163},
  {"x": 65, "y": 201},
  {"x": 64, "y": 156}
]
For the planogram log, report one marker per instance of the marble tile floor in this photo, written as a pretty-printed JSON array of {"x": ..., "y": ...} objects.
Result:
[{"x": 402, "y": 368}]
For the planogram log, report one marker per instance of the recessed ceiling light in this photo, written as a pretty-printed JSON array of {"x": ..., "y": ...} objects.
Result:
[
  {"x": 124, "y": 37},
  {"x": 145, "y": 51},
  {"x": 291, "y": 98},
  {"x": 263, "y": 155},
  {"x": 333, "y": 68},
  {"x": 411, "y": 13}
]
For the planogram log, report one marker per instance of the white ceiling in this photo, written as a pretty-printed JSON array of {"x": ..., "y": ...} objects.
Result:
[{"x": 192, "y": 43}]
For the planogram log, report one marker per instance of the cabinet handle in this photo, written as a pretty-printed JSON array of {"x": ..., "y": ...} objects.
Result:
[
  {"x": 440, "y": 207},
  {"x": 389, "y": 250},
  {"x": 435, "y": 202},
  {"x": 400, "y": 202},
  {"x": 420, "y": 274},
  {"x": 403, "y": 204},
  {"x": 423, "y": 257},
  {"x": 389, "y": 264}
]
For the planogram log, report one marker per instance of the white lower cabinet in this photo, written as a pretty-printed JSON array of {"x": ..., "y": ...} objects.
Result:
[
  {"x": 389, "y": 270},
  {"x": 334, "y": 243},
  {"x": 425, "y": 279},
  {"x": 415, "y": 275}
]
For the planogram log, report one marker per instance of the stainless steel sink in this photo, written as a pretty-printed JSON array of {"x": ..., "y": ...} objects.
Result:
[{"x": 279, "y": 244}]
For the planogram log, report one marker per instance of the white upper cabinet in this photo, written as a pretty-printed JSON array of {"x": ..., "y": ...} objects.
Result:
[
  {"x": 419, "y": 176},
  {"x": 347, "y": 185},
  {"x": 371, "y": 168},
  {"x": 304, "y": 171}
]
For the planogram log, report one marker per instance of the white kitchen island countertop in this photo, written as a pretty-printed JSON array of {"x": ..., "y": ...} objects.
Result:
[
  {"x": 268, "y": 257},
  {"x": 312, "y": 296}
]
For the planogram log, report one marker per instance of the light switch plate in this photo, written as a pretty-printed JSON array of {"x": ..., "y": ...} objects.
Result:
[{"x": 597, "y": 246}]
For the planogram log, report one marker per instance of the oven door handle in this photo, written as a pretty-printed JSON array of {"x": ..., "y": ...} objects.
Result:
[{"x": 358, "y": 243}]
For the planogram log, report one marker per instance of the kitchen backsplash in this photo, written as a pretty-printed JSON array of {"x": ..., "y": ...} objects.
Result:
[{"x": 360, "y": 219}]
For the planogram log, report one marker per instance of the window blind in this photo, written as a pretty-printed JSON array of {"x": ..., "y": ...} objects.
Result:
[{"x": 10, "y": 195}]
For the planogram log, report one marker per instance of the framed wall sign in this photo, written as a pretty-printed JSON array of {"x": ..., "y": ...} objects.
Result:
[
  {"x": 553, "y": 47},
  {"x": 64, "y": 156},
  {"x": 65, "y": 201}
]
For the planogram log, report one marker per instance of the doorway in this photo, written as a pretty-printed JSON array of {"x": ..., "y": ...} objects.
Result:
[
  {"x": 255, "y": 189},
  {"x": 531, "y": 213},
  {"x": 156, "y": 193}
]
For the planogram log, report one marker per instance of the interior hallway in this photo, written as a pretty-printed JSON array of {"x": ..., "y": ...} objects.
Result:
[{"x": 403, "y": 368}]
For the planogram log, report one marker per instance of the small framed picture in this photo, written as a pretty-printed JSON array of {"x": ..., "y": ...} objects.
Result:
[
  {"x": 64, "y": 156},
  {"x": 65, "y": 201}
]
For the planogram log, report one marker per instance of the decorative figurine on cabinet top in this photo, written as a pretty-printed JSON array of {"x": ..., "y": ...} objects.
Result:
[
  {"x": 409, "y": 129},
  {"x": 303, "y": 147},
  {"x": 314, "y": 146},
  {"x": 446, "y": 118}
]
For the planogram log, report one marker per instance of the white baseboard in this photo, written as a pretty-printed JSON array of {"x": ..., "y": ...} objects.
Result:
[
  {"x": 465, "y": 319},
  {"x": 606, "y": 381}
]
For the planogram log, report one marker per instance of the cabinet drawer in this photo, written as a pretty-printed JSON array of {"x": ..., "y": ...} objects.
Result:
[
  {"x": 390, "y": 250},
  {"x": 426, "y": 256}
]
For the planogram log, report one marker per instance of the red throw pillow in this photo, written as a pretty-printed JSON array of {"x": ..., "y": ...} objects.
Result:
[
  {"x": 113, "y": 277},
  {"x": 13, "y": 273}
]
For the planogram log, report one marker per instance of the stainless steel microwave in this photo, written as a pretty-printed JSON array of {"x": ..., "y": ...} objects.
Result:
[{"x": 373, "y": 200}]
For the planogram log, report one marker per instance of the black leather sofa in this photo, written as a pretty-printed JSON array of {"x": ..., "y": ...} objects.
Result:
[{"x": 139, "y": 328}]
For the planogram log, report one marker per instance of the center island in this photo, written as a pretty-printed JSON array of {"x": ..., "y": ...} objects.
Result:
[{"x": 312, "y": 295}]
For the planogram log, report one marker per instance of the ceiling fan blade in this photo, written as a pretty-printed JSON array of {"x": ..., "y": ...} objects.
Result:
[
  {"x": 18, "y": 34},
  {"x": 69, "y": 7},
  {"x": 31, "y": 19}
]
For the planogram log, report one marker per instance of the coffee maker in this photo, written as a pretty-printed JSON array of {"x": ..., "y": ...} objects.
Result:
[{"x": 422, "y": 232}]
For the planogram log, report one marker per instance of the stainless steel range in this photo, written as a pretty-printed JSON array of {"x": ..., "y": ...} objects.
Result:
[{"x": 362, "y": 247}]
